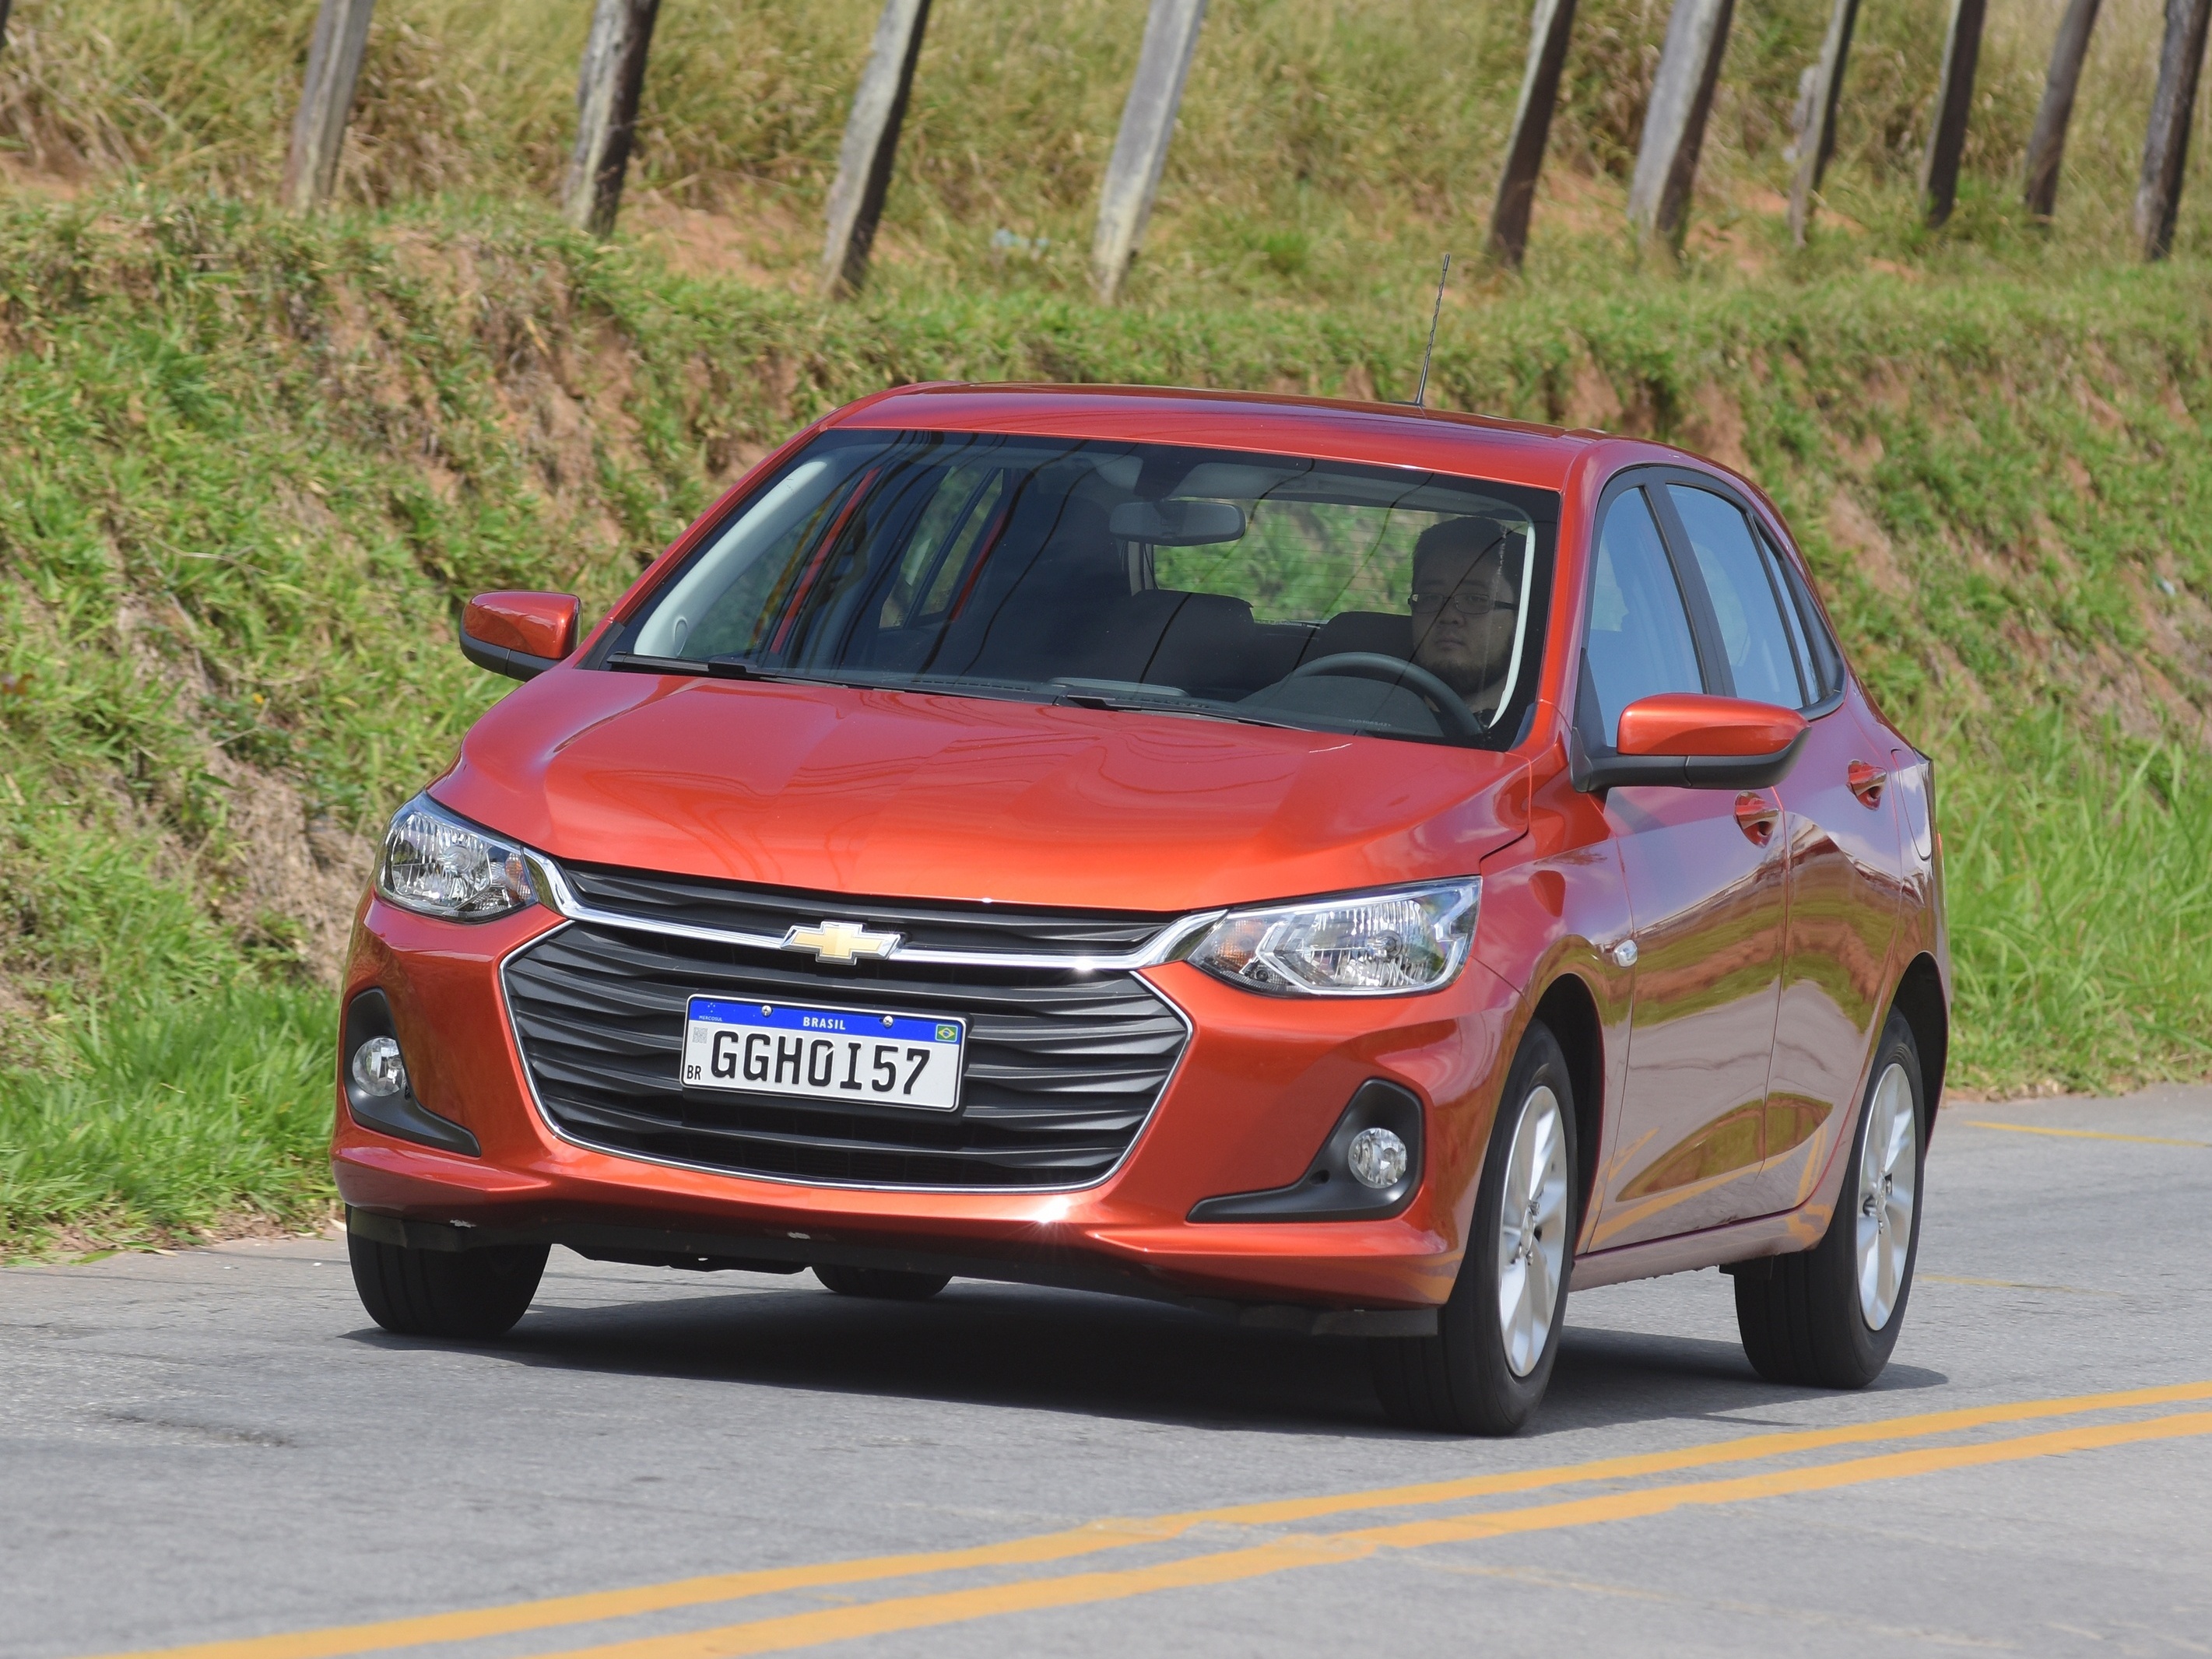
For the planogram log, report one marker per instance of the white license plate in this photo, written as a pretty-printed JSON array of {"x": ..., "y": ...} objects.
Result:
[{"x": 807, "y": 1053}]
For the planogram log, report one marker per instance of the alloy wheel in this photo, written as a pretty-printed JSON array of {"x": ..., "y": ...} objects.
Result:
[
  {"x": 1531, "y": 1244},
  {"x": 1889, "y": 1162}
]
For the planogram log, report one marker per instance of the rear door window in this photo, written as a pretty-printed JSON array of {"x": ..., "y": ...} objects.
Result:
[
  {"x": 1824, "y": 663},
  {"x": 1747, "y": 597},
  {"x": 1639, "y": 642}
]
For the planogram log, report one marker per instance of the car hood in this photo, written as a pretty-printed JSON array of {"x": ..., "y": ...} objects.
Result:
[{"x": 900, "y": 794}]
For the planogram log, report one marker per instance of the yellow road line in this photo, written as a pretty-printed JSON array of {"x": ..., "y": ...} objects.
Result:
[
  {"x": 2081, "y": 1134},
  {"x": 589, "y": 1606},
  {"x": 803, "y": 1630}
]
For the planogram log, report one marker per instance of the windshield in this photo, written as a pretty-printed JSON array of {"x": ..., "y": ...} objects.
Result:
[{"x": 1312, "y": 594}]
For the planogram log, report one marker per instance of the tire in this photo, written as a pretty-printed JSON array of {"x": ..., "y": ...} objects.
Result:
[
  {"x": 1828, "y": 1317},
  {"x": 881, "y": 1284},
  {"x": 1475, "y": 1375},
  {"x": 469, "y": 1294}
]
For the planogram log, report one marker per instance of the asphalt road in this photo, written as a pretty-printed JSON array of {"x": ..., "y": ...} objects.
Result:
[{"x": 216, "y": 1447}]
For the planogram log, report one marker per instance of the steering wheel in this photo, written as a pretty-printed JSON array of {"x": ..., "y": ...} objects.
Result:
[{"x": 1451, "y": 714}]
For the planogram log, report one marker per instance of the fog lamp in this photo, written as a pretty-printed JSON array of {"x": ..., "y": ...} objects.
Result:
[
  {"x": 1377, "y": 1159},
  {"x": 378, "y": 1069}
]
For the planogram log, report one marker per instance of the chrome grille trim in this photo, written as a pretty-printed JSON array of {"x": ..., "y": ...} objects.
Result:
[{"x": 561, "y": 897}]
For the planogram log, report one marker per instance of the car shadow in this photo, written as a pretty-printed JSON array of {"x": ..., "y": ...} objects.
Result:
[{"x": 1016, "y": 1346}]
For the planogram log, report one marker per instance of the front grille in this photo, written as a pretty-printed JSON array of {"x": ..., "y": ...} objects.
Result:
[
  {"x": 766, "y": 911},
  {"x": 1062, "y": 1068}
]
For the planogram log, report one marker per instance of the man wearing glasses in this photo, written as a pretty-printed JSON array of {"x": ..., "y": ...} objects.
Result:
[{"x": 1466, "y": 596}]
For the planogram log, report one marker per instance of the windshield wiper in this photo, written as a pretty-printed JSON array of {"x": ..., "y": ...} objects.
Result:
[
  {"x": 1206, "y": 711},
  {"x": 718, "y": 668},
  {"x": 629, "y": 662}
]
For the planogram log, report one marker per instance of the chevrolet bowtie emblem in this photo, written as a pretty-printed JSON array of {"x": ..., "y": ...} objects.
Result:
[{"x": 841, "y": 941}]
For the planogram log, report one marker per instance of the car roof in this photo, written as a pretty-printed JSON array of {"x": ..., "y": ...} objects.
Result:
[{"x": 1323, "y": 429}]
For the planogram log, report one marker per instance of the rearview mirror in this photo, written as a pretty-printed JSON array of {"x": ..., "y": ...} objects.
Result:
[
  {"x": 1176, "y": 521},
  {"x": 519, "y": 635},
  {"x": 1695, "y": 742}
]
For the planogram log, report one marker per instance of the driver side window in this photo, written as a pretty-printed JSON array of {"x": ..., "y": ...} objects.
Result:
[{"x": 1638, "y": 641}]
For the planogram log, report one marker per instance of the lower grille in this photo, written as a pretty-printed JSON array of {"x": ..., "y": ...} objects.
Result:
[{"x": 1062, "y": 1069}]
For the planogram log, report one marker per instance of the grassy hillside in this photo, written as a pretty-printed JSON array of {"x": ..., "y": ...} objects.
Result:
[{"x": 249, "y": 467}]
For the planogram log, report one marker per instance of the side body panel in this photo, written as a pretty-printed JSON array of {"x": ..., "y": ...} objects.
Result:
[
  {"x": 1708, "y": 903},
  {"x": 1846, "y": 891}
]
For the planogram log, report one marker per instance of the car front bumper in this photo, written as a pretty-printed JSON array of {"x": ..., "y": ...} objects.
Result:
[{"x": 1258, "y": 1088}]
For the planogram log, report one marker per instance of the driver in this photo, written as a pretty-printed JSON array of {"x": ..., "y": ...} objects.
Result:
[{"x": 1466, "y": 592}]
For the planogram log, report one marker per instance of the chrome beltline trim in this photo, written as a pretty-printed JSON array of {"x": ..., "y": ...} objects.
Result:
[
  {"x": 561, "y": 898},
  {"x": 545, "y": 1117}
]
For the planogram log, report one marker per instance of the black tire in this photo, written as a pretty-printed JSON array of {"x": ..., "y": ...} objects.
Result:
[
  {"x": 468, "y": 1294},
  {"x": 882, "y": 1284},
  {"x": 1459, "y": 1380},
  {"x": 1801, "y": 1316}
]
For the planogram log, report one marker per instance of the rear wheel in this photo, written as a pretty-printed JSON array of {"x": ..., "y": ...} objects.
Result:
[
  {"x": 1486, "y": 1367},
  {"x": 882, "y": 1284},
  {"x": 452, "y": 1293},
  {"x": 1829, "y": 1317}
]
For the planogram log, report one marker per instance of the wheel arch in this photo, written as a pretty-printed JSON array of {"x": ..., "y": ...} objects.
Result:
[
  {"x": 1919, "y": 999},
  {"x": 1568, "y": 1011}
]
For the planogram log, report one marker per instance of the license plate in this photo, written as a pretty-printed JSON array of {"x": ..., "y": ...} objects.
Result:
[{"x": 806, "y": 1053}]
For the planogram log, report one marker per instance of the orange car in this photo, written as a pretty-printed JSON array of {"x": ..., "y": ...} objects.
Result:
[{"x": 1350, "y": 868}]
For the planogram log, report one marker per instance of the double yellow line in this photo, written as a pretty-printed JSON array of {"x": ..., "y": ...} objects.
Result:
[{"x": 1297, "y": 1550}]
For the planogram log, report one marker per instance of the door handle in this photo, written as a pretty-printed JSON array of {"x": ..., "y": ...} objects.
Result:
[
  {"x": 1866, "y": 783},
  {"x": 1756, "y": 816}
]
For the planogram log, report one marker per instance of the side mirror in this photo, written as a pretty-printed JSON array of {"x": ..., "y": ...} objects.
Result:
[
  {"x": 1695, "y": 742},
  {"x": 519, "y": 635}
]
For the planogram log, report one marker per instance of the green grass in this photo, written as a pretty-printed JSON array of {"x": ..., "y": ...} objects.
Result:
[
  {"x": 250, "y": 467},
  {"x": 2081, "y": 899},
  {"x": 167, "y": 1117}
]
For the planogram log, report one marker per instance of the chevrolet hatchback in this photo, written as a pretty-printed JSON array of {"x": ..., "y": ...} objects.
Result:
[{"x": 1350, "y": 869}]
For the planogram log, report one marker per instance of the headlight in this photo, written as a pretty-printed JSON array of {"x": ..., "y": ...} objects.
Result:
[
  {"x": 437, "y": 865},
  {"x": 1374, "y": 945}
]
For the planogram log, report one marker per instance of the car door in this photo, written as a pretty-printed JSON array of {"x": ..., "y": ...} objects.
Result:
[
  {"x": 1846, "y": 900},
  {"x": 1706, "y": 881}
]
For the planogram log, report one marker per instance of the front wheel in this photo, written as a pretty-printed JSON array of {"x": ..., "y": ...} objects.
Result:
[
  {"x": 881, "y": 1284},
  {"x": 1829, "y": 1317},
  {"x": 472, "y": 1295},
  {"x": 1490, "y": 1361}
]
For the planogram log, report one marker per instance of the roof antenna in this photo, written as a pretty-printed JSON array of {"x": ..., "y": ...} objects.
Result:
[{"x": 1421, "y": 392}]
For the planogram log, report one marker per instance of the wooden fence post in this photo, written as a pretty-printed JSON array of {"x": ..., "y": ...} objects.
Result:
[
  {"x": 2047, "y": 145},
  {"x": 2165, "y": 146},
  {"x": 334, "y": 55},
  {"x": 1946, "y": 134},
  {"x": 608, "y": 88},
  {"x": 1674, "y": 120},
  {"x": 1817, "y": 144},
  {"x": 872, "y": 136},
  {"x": 1140, "y": 150},
  {"x": 1532, "y": 126}
]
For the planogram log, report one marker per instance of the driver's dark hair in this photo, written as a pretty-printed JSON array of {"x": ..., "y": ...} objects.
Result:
[{"x": 1473, "y": 535}]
